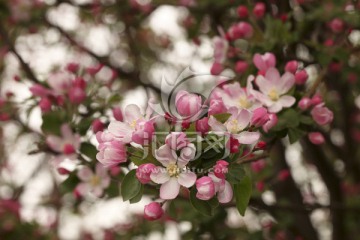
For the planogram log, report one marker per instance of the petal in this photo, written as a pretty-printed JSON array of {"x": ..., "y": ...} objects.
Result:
[
  {"x": 132, "y": 113},
  {"x": 276, "y": 107},
  {"x": 215, "y": 125},
  {"x": 264, "y": 84},
  {"x": 273, "y": 76},
  {"x": 243, "y": 118},
  {"x": 83, "y": 188},
  {"x": 55, "y": 143},
  {"x": 246, "y": 137},
  {"x": 165, "y": 155},
  {"x": 85, "y": 174},
  {"x": 259, "y": 62},
  {"x": 227, "y": 194},
  {"x": 66, "y": 131},
  {"x": 287, "y": 101},
  {"x": 287, "y": 81},
  {"x": 170, "y": 189},
  {"x": 120, "y": 129},
  {"x": 159, "y": 175},
  {"x": 186, "y": 154},
  {"x": 187, "y": 179}
]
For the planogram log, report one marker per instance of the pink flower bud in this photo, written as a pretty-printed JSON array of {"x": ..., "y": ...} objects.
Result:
[
  {"x": 63, "y": 171},
  {"x": 221, "y": 168},
  {"x": 322, "y": 115},
  {"x": 291, "y": 66},
  {"x": 144, "y": 171},
  {"x": 261, "y": 145},
  {"x": 4, "y": 117},
  {"x": 69, "y": 149},
  {"x": 259, "y": 10},
  {"x": 97, "y": 125},
  {"x": 271, "y": 123},
  {"x": 328, "y": 43},
  {"x": 153, "y": 211},
  {"x": 80, "y": 83},
  {"x": 72, "y": 67},
  {"x": 241, "y": 67},
  {"x": 216, "y": 69},
  {"x": 187, "y": 104},
  {"x": 283, "y": 175},
  {"x": 245, "y": 29},
  {"x": 301, "y": 77},
  {"x": 316, "y": 99},
  {"x": 94, "y": 70},
  {"x": 242, "y": 11},
  {"x": 205, "y": 188},
  {"x": 177, "y": 140},
  {"x": 260, "y": 117},
  {"x": 258, "y": 166},
  {"x": 117, "y": 113},
  {"x": 216, "y": 107},
  {"x": 77, "y": 95},
  {"x": 202, "y": 126},
  {"x": 233, "y": 144},
  {"x": 335, "y": 67},
  {"x": 316, "y": 138},
  {"x": 337, "y": 25},
  {"x": 39, "y": 91},
  {"x": 304, "y": 103},
  {"x": 45, "y": 104},
  {"x": 185, "y": 125},
  {"x": 260, "y": 186}
]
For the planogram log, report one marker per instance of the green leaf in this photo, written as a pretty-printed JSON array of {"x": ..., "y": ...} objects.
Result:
[
  {"x": 52, "y": 122},
  {"x": 204, "y": 207},
  {"x": 138, "y": 197},
  {"x": 70, "y": 183},
  {"x": 222, "y": 117},
  {"x": 235, "y": 174},
  {"x": 295, "y": 134},
  {"x": 242, "y": 192},
  {"x": 130, "y": 186},
  {"x": 89, "y": 150}
]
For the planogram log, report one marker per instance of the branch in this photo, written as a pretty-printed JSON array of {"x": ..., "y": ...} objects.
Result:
[
  {"x": 253, "y": 159},
  {"x": 24, "y": 65}
]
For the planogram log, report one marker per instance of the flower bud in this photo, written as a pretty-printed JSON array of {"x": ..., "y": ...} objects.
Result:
[
  {"x": 221, "y": 168},
  {"x": 291, "y": 66},
  {"x": 301, "y": 77},
  {"x": 304, "y": 103},
  {"x": 77, "y": 95},
  {"x": 271, "y": 123},
  {"x": 144, "y": 171},
  {"x": 69, "y": 149},
  {"x": 259, "y": 10},
  {"x": 242, "y": 11},
  {"x": 216, "y": 107},
  {"x": 261, "y": 145},
  {"x": 283, "y": 175},
  {"x": 260, "y": 117},
  {"x": 97, "y": 125},
  {"x": 337, "y": 25},
  {"x": 316, "y": 99},
  {"x": 241, "y": 67},
  {"x": 205, "y": 188},
  {"x": 216, "y": 69},
  {"x": 233, "y": 144},
  {"x": 322, "y": 115},
  {"x": 117, "y": 113},
  {"x": 153, "y": 211},
  {"x": 187, "y": 104},
  {"x": 72, "y": 67},
  {"x": 316, "y": 138},
  {"x": 202, "y": 125},
  {"x": 45, "y": 104},
  {"x": 258, "y": 166}
]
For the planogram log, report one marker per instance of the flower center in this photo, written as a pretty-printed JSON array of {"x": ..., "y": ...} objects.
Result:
[
  {"x": 244, "y": 103},
  {"x": 233, "y": 126},
  {"x": 133, "y": 124},
  {"x": 273, "y": 95},
  {"x": 173, "y": 170},
  {"x": 94, "y": 181}
]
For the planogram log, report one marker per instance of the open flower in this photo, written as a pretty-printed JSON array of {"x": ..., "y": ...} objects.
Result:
[
  {"x": 265, "y": 61},
  {"x": 223, "y": 189},
  {"x": 92, "y": 182},
  {"x": 235, "y": 126},
  {"x": 273, "y": 88},
  {"x": 135, "y": 127},
  {"x": 174, "y": 173},
  {"x": 67, "y": 144}
]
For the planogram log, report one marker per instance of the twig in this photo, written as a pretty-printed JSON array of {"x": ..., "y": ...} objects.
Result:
[{"x": 252, "y": 159}]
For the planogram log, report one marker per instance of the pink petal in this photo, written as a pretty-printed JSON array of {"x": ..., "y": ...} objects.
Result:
[
  {"x": 170, "y": 189},
  {"x": 287, "y": 80},
  {"x": 165, "y": 155},
  {"x": 83, "y": 188},
  {"x": 264, "y": 84},
  {"x": 215, "y": 125},
  {"x": 243, "y": 118},
  {"x": 259, "y": 62},
  {"x": 187, "y": 179},
  {"x": 132, "y": 113},
  {"x": 246, "y": 137},
  {"x": 273, "y": 75},
  {"x": 85, "y": 174},
  {"x": 55, "y": 143},
  {"x": 226, "y": 195},
  {"x": 120, "y": 129},
  {"x": 159, "y": 175},
  {"x": 287, "y": 101},
  {"x": 186, "y": 154}
]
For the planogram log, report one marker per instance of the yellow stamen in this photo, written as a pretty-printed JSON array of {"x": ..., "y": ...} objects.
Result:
[
  {"x": 273, "y": 95},
  {"x": 244, "y": 103},
  {"x": 173, "y": 170},
  {"x": 95, "y": 180}
]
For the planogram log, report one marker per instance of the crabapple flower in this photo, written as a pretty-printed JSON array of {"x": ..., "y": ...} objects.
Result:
[
  {"x": 273, "y": 88},
  {"x": 188, "y": 104},
  {"x": 94, "y": 183},
  {"x": 259, "y": 10},
  {"x": 265, "y": 61},
  {"x": 67, "y": 144},
  {"x": 153, "y": 211},
  {"x": 111, "y": 152},
  {"x": 174, "y": 173},
  {"x": 301, "y": 77},
  {"x": 216, "y": 106},
  {"x": 135, "y": 127},
  {"x": 242, "y": 11},
  {"x": 291, "y": 66},
  {"x": 177, "y": 140},
  {"x": 322, "y": 115},
  {"x": 221, "y": 168},
  {"x": 304, "y": 103},
  {"x": 202, "y": 125},
  {"x": 205, "y": 188},
  {"x": 316, "y": 138},
  {"x": 235, "y": 126},
  {"x": 240, "y": 30},
  {"x": 223, "y": 189},
  {"x": 273, "y": 120},
  {"x": 216, "y": 69},
  {"x": 144, "y": 171},
  {"x": 260, "y": 117}
]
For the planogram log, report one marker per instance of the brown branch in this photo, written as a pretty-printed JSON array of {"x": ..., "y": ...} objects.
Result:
[{"x": 252, "y": 159}]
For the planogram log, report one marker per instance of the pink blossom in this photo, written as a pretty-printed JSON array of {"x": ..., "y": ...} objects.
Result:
[
  {"x": 135, "y": 126},
  {"x": 240, "y": 30},
  {"x": 68, "y": 143},
  {"x": 177, "y": 140},
  {"x": 316, "y": 138},
  {"x": 291, "y": 66},
  {"x": 259, "y": 10},
  {"x": 273, "y": 88},
  {"x": 221, "y": 168},
  {"x": 264, "y": 62},
  {"x": 188, "y": 104},
  {"x": 77, "y": 95},
  {"x": 174, "y": 173},
  {"x": 242, "y": 11},
  {"x": 111, "y": 151},
  {"x": 144, "y": 171},
  {"x": 216, "y": 107},
  {"x": 241, "y": 67},
  {"x": 202, "y": 125},
  {"x": 305, "y": 103},
  {"x": 283, "y": 175},
  {"x": 271, "y": 123},
  {"x": 72, "y": 67},
  {"x": 153, "y": 211},
  {"x": 97, "y": 125},
  {"x": 94, "y": 183},
  {"x": 45, "y": 104},
  {"x": 117, "y": 113},
  {"x": 260, "y": 117},
  {"x": 205, "y": 188},
  {"x": 60, "y": 82},
  {"x": 216, "y": 68},
  {"x": 223, "y": 189},
  {"x": 235, "y": 125},
  {"x": 301, "y": 77},
  {"x": 337, "y": 25},
  {"x": 316, "y": 99},
  {"x": 322, "y": 115}
]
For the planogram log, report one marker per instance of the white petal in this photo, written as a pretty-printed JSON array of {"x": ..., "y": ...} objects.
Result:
[
  {"x": 246, "y": 137},
  {"x": 227, "y": 194},
  {"x": 132, "y": 113},
  {"x": 85, "y": 174},
  {"x": 159, "y": 175},
  {"x": 287, "y": 81},
  {"x": 165, "y": 155},
  {"x": 187, "y": 179},
  {"x": 170, "y": 189},
  {"x": 120, "y": 129},
  {"x": 215, "y": 125},
  {"x": 287, "y": 101}
]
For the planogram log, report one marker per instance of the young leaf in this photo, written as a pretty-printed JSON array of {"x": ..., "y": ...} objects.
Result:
[
  {"x": 138, "y": 197},
  {"x": 202, "y": 206},
  {"x": 242, "y": 192},
  {"x": 295, "y": 134},
  {"x": 130, "y": 186},
  {"x": 235, "y": 174}
]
